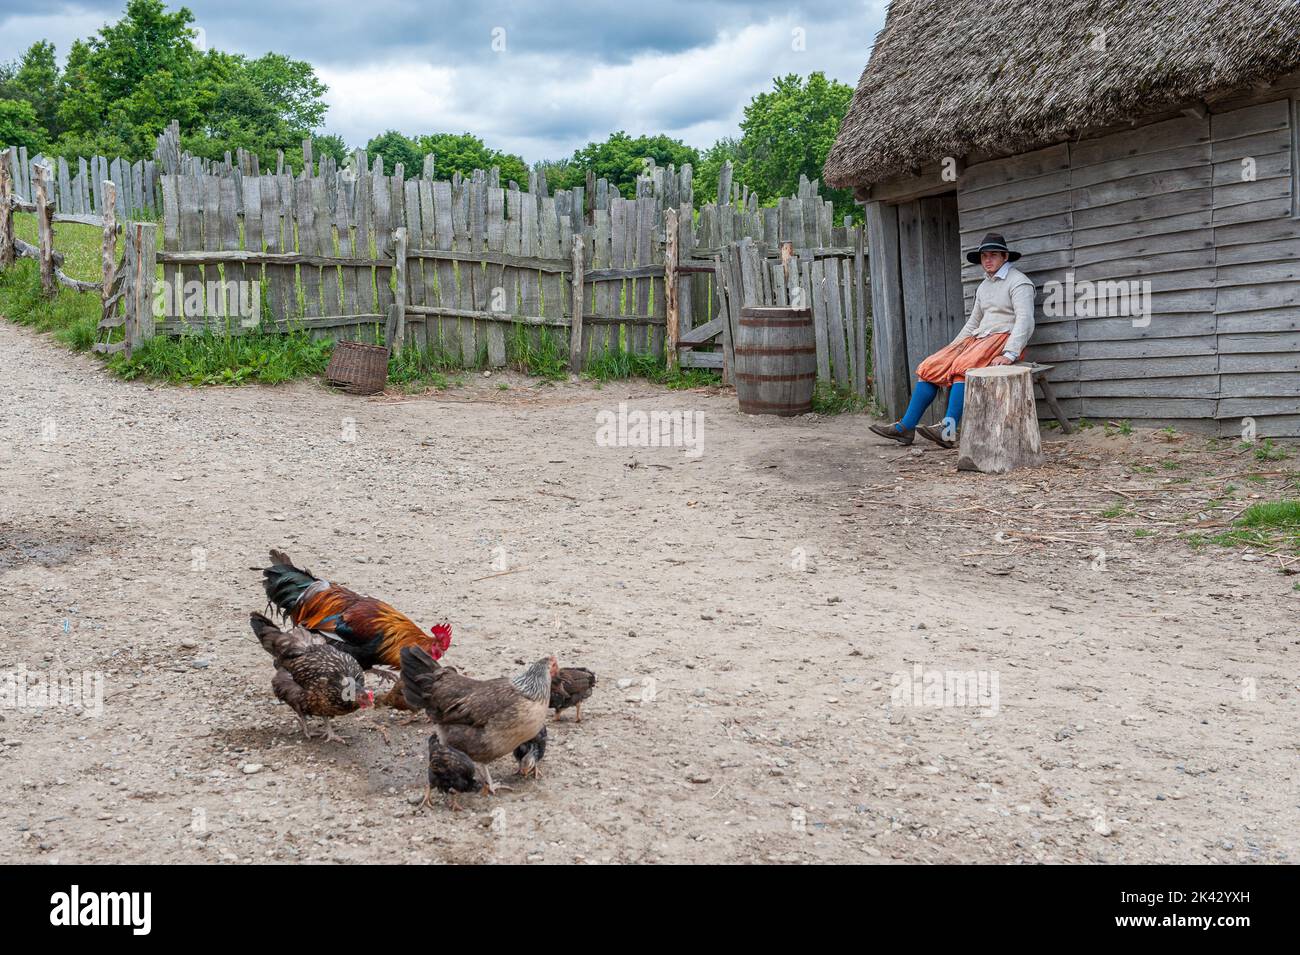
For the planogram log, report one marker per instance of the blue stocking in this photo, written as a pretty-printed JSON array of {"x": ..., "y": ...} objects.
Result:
[
  {"x": 922, "y": 394},
  {"x": 956, "y": 402}
]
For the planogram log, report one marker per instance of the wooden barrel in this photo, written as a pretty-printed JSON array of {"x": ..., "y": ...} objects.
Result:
[{"x": 776, "y": 360}]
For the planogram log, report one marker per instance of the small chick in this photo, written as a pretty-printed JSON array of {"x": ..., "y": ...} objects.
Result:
[
  {"x": 530, "y": 754},
  {"x": 450, "y": 772}
]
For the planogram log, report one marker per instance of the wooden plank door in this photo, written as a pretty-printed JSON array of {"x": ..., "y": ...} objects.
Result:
[{"x": 930, "y": 267}]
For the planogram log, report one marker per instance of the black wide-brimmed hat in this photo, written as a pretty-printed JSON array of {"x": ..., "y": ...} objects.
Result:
[{"x": 993, "y": 242}]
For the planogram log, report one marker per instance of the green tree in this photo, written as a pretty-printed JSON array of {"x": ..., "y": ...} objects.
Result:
[
  {"x": 560, "y": 173},
  {"x": 37, "y": 80},
  {"x": 465, "y": 152},
  {"x": 258, "y": 105},
  {"x": 709, "y": 170},
  {"x": 331, "y": 145},
  {"x": 19, "y": 125},
  {"x": 292, "y": 88},
  {"x": 789, "y": 131},
  {"x": 125, "y": 83},
  {"x": 620, "y": 159},
  {"x": 396, "y": 148}
]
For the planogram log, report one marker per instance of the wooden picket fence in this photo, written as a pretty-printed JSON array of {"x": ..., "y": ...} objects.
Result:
[
  {"x": 81, "y": 192},
  {"x": 458, "y": 265}
]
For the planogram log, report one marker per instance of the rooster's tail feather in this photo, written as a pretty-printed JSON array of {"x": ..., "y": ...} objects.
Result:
[{"x": 284, "y": 582}]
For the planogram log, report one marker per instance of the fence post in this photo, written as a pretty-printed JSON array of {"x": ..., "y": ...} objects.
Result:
[
  {"x": 6, "y": 210},
  {"x": 108, "y": 252},
  {"x": 670, "y": 287},
  {"x": 578, "y": 303},
  {"x": 140, "y": 321},
  {"x": 396, "y": 336},
  {"x": 860, "y": 292},
  {"x": 45, "y": 227}
]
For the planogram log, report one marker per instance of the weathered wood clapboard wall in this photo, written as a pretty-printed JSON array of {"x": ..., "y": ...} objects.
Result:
[{"x": 1203, "y": 206}]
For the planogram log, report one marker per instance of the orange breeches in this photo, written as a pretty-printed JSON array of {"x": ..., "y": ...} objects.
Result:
[{"x": 950, "y": 364}]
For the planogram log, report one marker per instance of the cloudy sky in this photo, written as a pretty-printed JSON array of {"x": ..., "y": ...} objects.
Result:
[{"x": 538, "y": 79}]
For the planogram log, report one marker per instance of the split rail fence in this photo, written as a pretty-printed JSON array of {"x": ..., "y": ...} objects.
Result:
[{"x": 112, "y": 286}]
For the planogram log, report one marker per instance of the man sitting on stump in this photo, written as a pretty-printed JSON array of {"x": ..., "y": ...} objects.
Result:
[{"x": 996, "y": 334}]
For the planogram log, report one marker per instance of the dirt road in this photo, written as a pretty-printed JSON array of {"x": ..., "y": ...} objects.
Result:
[{"x": 758, "y": 615}]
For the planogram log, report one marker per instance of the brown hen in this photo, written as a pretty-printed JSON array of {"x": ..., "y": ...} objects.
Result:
[
  {"x": 312, "y": 676},
  {"x": 484, "y": 719}
]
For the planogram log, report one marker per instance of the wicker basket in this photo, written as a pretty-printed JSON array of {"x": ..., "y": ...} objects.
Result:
[{"x": 357, "y": 368}]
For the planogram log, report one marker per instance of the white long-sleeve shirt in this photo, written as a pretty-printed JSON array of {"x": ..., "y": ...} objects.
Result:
[{"x": 1004, "y": 302}]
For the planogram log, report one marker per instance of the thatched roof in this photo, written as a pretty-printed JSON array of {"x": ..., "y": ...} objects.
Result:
[{"x": 956, "y": 77}]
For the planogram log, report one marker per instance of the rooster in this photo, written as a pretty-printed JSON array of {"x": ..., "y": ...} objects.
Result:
[
  {"x": 570, "y": 688},
  {"x": 311, "y": 676},
  {"x": 370, "y": 630},
  {"x": 484, "y": 719}
]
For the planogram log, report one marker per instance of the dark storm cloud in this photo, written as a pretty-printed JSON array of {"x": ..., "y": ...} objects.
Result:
[
  {"x": 610, "y": 31},
  {"x": 569, "y": 72},
  {"x": 602, "y": 31}
]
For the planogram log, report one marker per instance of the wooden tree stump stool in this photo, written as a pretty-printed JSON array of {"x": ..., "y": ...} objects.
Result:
[{"x": 999, "y": 427}]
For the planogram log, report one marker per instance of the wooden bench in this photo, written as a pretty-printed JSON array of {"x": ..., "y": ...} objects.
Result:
[{"x": 1038, "y": 373}]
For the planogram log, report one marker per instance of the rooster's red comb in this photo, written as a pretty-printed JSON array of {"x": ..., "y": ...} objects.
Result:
[{"x": 442, "y": 633}]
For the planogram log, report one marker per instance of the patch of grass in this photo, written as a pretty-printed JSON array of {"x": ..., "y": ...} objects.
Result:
[
  {"x": 1167, "y": 434},
  {"x": 1268, "y": 525},
  {"x": 618, "y": 365},
  {"x": 1118, "y": 509},
  {"x": 1284, "y": 514},
  {"x": 1170, "y": 465},
  {"x": 70, "y": 316},
  {"x": 1119, "y": 427},
  {"x": 1241, "y": 538},
  {"x": 542, "y": 353},
  {"x": 81, "y": 246},
  {"x": 1143, "y": 469},
  {"x": 416, "y": 369},
  {"x": 1269, "y": 450},
  {"x": 1143, "y": 532},
  {"x": 220, "y": 358},
  {"x": 1085, "y": 424},
  {"x": 829, "y": 400}
]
